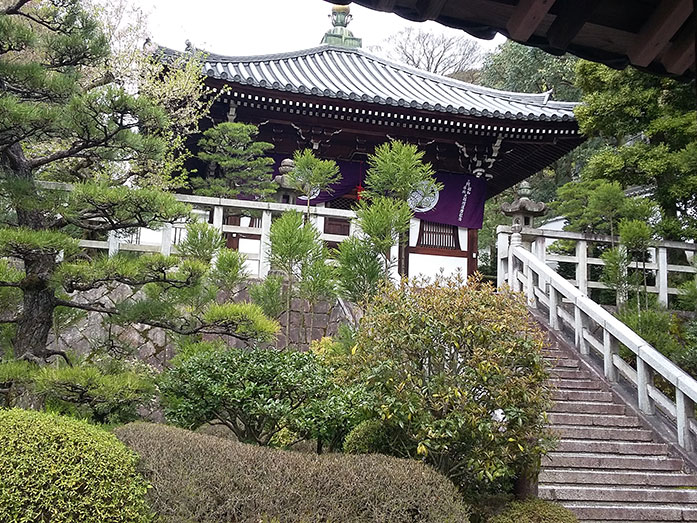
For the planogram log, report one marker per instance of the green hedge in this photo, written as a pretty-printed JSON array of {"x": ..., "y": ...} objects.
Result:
[
  {"x": 201, "y": 478},
  {"x": 63, "y": 470},
  {"x": 534, "y": 511}
]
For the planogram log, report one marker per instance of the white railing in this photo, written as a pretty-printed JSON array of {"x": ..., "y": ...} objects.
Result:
[
  {"x": 539, "y": 240},
  {"x": 597, "y": 331},
  {"x": 165, "y": 241}
]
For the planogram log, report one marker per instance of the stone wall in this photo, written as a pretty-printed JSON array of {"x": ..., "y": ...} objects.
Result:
[{"x": 155, "y": 346}]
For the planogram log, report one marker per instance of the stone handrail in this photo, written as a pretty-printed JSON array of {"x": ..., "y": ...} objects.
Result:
[
  {"x": 537, "y": 240},
  {"x": 595, "y": 329}
]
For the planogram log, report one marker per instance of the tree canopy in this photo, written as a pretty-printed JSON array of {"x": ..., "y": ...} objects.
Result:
[{"x": 67, "y": 114}]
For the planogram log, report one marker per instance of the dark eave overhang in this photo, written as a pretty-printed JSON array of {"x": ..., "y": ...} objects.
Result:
[{"x": 654, "y": 35}]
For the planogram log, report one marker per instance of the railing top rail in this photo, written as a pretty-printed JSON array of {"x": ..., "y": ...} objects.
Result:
[
  {"x": 263, "y": 206},
  {"x": 600, "y": 238},
  {"x": 236, "y": 204},
  {"x": 669, "y": 370}
]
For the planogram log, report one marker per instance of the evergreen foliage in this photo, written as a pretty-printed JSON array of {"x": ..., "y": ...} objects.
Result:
[
  {"x": 254, "y": 393},
  {"x": 525, "y": 69},
  {"x": 60, "y": 469},
  {"x": 103, "y": 392},
  {"x": 295, "y": 251},
  {"x": 458, "y": 378},
  {"x": 65, "y": 116},
  {"x": 396, "y": 170},
  {"x": 240, "y": 165},
  {"x": 651, "y": 127},
  {"x": 312, "y": 175}
]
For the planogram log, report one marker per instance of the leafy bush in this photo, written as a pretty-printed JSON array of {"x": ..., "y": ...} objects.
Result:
[
  {"x": 61, "y": 469},
  {"x": 200, "y": 478},
  {"x": 534, "y": 511},
  {"x": 458, "y": 376},
  {"x": 255, "y": 393}
]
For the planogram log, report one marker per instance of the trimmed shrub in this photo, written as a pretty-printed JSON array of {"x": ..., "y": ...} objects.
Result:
[
  {"x": 534, "y": 511},
  {"x": 201, "y": 478},
  {"x": 60, "y": 469},
  {"x": 368, "y": 437}
]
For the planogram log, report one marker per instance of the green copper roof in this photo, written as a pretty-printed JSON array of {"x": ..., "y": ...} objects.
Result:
[{"x": 340, "y": 35}]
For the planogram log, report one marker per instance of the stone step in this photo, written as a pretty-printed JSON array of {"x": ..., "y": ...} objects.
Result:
[
  {"x": 576, "y": 374},
  {"x": 610, "y": 493},
  {"x": 562, "y": 362},
  {"x": 592, "y": 420},
  {"x": 602, "y": 433},
  {"x": 586, "y": 511},
  {"x": 576, "y": 384},
  {"x": 612, "y": 447},
  {"x": 610, "y": 461},
  {"x": 581, "y": 395},
  {"x": 577, "y": 407},
  {"x": 650, "y": 478}
]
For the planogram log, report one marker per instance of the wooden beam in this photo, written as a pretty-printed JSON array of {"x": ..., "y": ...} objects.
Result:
[
  {"x": 429, "y": 9},
  {"x": 658, "y": 30},
  {"x": 568, "y": 23},
  {"x": 680, "y": 56},
  {"x": 526, "y": 18}
]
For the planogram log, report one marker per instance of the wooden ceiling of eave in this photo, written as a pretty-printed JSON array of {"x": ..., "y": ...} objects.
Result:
[{"x": 656, "y": 35}]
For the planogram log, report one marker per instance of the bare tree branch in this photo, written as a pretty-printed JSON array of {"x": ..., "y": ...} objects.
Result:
[{"x": 436, "y": 53}]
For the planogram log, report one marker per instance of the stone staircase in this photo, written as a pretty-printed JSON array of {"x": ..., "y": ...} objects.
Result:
[{"x": 609, "y": 465}]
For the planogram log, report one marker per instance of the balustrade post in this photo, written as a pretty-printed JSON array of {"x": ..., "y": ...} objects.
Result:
[
  {"x": 166, "y": 244},
  {"x": 264, "y": 244},
  {"x": 541, "y": 248},
  {"x": 502, "y": 258},
  {"x": 218, "y": 218},
  {"x": 516, "y": 241},
  {"x": 582, "y": 266},
  {"x": 529, "y": 286},
  {"x": 685, "y": 412},
  {"x": 580, "y": 323},
  {"x": 610, "y": 348},
  {"x": 662, "y": 279},
  {"x": 644, "y": 380},
  {"x": 553, "y": 305},
  {"x": 622, "y": 294},
  {"x": 112, "y": 243}
]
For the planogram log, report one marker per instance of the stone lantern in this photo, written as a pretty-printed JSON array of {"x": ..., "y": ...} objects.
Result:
[
  {"x": 286, "y": 192},
  {"x": 523, "y": 210}
]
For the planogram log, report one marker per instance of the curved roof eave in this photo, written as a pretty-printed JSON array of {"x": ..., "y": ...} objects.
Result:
[{"x": 399, "y": 85}]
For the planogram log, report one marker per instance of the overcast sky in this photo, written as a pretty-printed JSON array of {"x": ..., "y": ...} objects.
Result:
[{"x": 242, "y": 27}]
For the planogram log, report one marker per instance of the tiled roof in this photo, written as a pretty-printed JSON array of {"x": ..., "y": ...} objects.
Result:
[{"x": 354, "y": 74}]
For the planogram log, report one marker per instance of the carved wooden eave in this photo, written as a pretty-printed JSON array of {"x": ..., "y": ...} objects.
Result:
[{"x": 342, "y": 103}]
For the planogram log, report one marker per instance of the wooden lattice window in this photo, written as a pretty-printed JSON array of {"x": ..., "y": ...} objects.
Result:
[{"x": 438, "y": 236}]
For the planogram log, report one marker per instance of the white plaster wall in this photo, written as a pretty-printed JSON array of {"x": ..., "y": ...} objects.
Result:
[{"x": 429, "y": 265}]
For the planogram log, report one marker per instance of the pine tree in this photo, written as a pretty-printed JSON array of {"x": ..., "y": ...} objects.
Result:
[
  {"x": 66, "y": 116},
  {"x": 240, "y": 167}
]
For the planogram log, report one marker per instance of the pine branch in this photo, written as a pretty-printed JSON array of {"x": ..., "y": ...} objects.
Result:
[
  {"x": 9, "y": 317},
  {"x": 15, "y": 9},
  {"x": 89, "y": 307}
]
